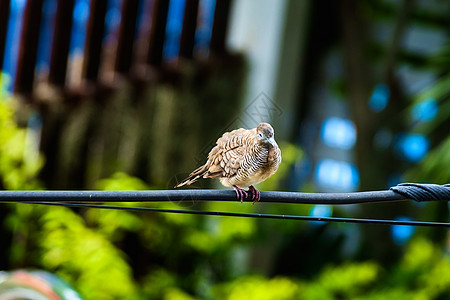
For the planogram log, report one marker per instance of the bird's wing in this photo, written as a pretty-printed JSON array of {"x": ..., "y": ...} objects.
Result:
[{"x": 227, "y": 156}]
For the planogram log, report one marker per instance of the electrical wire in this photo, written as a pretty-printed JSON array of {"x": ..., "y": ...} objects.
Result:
[
  {"x": 401, "y": 192},
  {"x": 197, "y": 195},
  {"x": 93, "y": 199},
  {"x": 253, "y": 215}
]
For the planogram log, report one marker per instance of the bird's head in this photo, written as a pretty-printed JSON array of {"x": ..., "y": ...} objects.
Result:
[{"x": 265, "y": 134}]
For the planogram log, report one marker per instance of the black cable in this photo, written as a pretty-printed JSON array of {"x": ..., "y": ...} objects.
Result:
[
  {"x": 414, "y": 191},
  {"x": 197, "y": 195},
  {"x": 253, "y": 215},
  {"x": 423, "y": 192}
]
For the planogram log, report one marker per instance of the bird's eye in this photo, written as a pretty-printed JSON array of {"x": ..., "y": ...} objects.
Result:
[{"x": 260, "y": 135}]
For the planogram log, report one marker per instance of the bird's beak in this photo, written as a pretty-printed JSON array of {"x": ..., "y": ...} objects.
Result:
[{"x": 271, "y": 140}]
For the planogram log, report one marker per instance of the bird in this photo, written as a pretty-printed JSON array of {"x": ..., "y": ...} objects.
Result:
[{"x": 241, "y": 159}]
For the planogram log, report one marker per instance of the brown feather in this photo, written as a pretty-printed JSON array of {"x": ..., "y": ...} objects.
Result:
[{"x": 240, "y": 158}]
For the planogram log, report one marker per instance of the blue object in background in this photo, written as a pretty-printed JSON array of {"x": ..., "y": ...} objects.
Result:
[
  {"x": 337, "y": 175},
  {"x": 12, "y": 43},
  {"x": 379, "y": 98},
  {"x": 112, "y": 20},
  {"x": 425, "y": 110},
  {"x": 413, "y": 147},
  {"x": 204, "y": 27},
  {"x": 79, "y": 27},
  {"x": 339, "y": 133},
  {"x": 173, "y": 29},
  {"x": 46, "y": 36},
  {"x": 402, "y": 233}
]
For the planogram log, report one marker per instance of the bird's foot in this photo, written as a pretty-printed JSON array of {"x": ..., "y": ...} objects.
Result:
[
  {"x": 256, "y": 195},
  {"x": 240, "y": 193}
]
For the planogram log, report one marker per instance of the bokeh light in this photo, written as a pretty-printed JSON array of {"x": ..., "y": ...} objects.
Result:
[
  {"x": 379, "y": 98},
  {"x": 338, "y": 133},
  {"x": 413, "y": 147},
  {"x": 425, "y": 110},
  {"x": 402, "y": 233},
  {"x": 338, "y": 175}
]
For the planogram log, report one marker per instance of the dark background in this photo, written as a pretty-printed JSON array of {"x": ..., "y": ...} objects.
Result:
[{"x": 132, "y": 94}]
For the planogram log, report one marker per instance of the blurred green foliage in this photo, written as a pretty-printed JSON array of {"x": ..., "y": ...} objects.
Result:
[
  {"x": 76, "y": 246},
  {"x": 258, "y": 287},
  {"x": 18, "y": 166},
  {"x": 59, "y": 240},
  {"x": 117, "y": 254},
  {"x": 423, "y": 273},
  {"x": 430, "y": 169},
  {"x": 84, "y": 255}
]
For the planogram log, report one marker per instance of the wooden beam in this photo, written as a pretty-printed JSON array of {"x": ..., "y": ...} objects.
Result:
[
  {"x": 157, "y": 32},
  {"x": 28, "y": 47},
  {"x": 220, "y": 26},
  {"x": 127, "y": 34},
  {"x": 189, "y": 26},
  {"x": 61, "y": 42},
  {"x": 94, "y": 39}
]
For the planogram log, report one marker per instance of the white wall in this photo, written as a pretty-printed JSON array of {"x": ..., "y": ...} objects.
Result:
[{"x": 269, "y": 33}]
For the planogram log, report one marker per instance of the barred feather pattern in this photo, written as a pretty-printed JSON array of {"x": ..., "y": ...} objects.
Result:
[{"x": 240, "y": 158}]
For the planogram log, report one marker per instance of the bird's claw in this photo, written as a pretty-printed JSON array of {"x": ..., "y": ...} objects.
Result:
[
  {"x": 240, "y": 193},
  {"x": 256, "y": 195}
]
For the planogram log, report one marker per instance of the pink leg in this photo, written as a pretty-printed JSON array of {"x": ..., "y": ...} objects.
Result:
[
  {"x": 240, "y": 193},
  {"x": 256, "y": 195}
]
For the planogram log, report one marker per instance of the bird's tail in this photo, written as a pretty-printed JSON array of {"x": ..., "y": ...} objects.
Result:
[{"x": 194, "y": 176}]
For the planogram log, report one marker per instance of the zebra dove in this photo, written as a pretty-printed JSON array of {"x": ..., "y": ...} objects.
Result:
[{"x": 241, "y": 159}]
